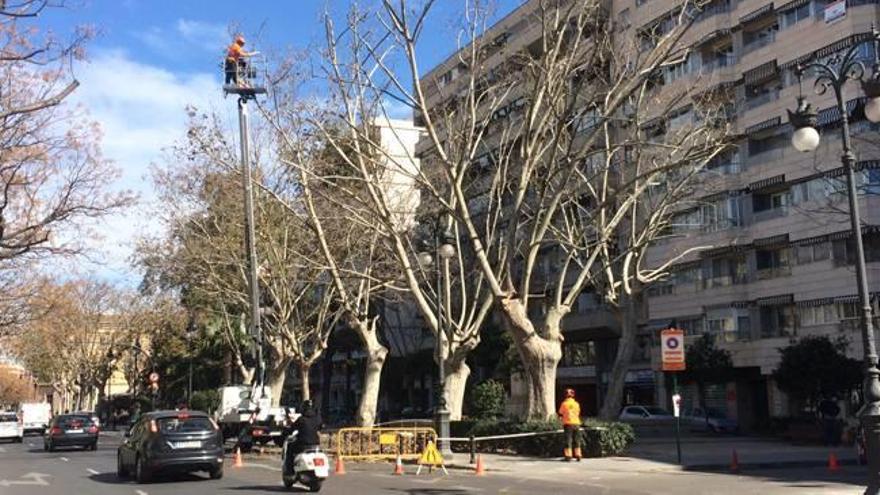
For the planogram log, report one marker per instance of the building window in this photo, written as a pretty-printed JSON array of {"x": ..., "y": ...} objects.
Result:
[
  {"x": 722, "y": 272},
  {"x": 773, "y": 262},
  {"x": 793, "y": 16},
  {"x": 812, "y": 253},
  {"x": 817, "y": 315},
  {"x": 770, "y": 201},
  {"x": 757, "y": 146},
  {"x": 777, "y": 321},
  {"x": 692, "y": 326},
  {"x": 578, "y": 354},
  {"x": 728, "y": 325}
]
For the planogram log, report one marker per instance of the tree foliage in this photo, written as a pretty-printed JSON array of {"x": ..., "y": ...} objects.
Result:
[{"x": 815, "y": 367}]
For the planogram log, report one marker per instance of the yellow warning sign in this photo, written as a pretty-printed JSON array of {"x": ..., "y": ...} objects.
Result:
[
  {"x": 431, "y": 456},
  {"x": 388, "y": 438}
]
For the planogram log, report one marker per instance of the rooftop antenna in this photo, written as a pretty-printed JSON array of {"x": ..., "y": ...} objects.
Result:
[{"x": 245, "y": 83}]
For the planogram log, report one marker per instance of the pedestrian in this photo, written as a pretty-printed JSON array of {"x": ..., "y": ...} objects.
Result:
[
  {"x": 236, "y": 62},
  {"x": 829, "y": 410},
  {"x": 570, "y": 412}
]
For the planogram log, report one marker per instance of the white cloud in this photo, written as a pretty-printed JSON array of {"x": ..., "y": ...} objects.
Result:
[
  {"x": 141, "y": 110},
  {"x": 208, "y": 36}
]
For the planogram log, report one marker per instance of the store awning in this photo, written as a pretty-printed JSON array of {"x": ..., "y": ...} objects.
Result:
[{"x": 757, "y": 14}]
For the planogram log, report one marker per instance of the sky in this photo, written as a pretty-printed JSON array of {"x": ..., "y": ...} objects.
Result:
[{"x": 152, "y": 58}]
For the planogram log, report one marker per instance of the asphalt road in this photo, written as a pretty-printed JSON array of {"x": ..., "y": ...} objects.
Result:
[{"x": 25, "y": 469}]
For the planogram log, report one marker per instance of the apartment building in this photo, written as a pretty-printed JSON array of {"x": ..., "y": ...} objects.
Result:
[{"x": 781, "y": 263}]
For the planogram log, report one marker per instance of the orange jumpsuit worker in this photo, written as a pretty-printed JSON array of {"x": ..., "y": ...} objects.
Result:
[
  {"x": 570, "y": 412},
  {"x": 235, "y": 62}
]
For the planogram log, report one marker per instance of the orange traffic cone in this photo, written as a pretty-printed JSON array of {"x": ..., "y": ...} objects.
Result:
[
  {"x": 833, "y": 465},
  {"x": 734, "y": 462},
  {"x": 236, "y": 462},
  {"x": 398, "y": 467},
  {"x": 481, "y": 469},
  {"x": 340, "y": 466}
]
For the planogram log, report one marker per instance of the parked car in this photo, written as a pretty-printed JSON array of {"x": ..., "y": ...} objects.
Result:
[
  {"x": 711, "y": 419},
  {"x": 71, "y": 430},
  {"x": 171, "y": 441},
  {"x": 35, "y": 416},
  {"x": 644, "y": 413},
  {"x": 10, "y": 427}
]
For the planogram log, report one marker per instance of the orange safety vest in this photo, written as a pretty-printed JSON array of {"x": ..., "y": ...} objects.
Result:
[
  {"x": 233, "y": 53},
  {"x": 570, "y": 411}
]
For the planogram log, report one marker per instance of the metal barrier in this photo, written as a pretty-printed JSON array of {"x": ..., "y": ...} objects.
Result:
[{"x": 382, "y": 443}]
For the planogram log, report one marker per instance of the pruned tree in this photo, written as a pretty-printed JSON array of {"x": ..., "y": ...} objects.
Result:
[
  {"x": 528, "y": 159},
  {"x": 203, "y": 257}
]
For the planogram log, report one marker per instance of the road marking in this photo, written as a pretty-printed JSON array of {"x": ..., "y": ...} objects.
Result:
[
  {"x": 65, "y": 459},
  {"x": 37, "y": 479},
  {"x": 92, "y": 471},
  {"x": 263, "y": 466},
  {"x": 140, "y": 492}
]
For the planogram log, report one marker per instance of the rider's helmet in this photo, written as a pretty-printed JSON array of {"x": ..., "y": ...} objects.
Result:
[
  {"x": 239, "y": 40},
  {"x": 569, "y": 392}
]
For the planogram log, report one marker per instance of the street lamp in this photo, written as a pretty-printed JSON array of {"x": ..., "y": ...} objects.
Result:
[
  {"x": 444, "y": 251},
  {"x": 834, "y": 74}
]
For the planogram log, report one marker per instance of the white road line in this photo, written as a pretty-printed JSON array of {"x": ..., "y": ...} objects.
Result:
[
  {"x": 65, "y": 459},
  {"x": 92, "y": 471},
  {"x": 140, "y": 492}
]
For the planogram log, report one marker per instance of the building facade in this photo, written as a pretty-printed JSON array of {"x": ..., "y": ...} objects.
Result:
[{"x": 781, "y": 259}]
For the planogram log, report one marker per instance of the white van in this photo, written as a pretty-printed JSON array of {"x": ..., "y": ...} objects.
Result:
[{"x": 35, "y": 416}]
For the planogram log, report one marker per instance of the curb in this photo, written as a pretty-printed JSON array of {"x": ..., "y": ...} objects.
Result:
[{"x": 767, "y": 465}]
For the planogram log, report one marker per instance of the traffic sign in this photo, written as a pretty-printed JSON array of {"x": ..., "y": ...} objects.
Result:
[
  {"x": 672, "y": 349},
  {"x": 154, "y": 377}
]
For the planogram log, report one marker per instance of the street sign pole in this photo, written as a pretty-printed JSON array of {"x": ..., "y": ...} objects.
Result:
[
  {"x": 673, "y": 360},
  {"x": 676, "y": 398}
]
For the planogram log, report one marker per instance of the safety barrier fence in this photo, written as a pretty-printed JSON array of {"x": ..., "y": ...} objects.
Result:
[
  {"x": 383, "y": 443},
  {"x": 472, "y": 440}
]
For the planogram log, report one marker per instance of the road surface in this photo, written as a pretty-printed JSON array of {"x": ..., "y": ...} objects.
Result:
[{"x": 25, "y": 469}]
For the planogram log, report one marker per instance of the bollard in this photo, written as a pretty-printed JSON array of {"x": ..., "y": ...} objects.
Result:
[{"x": 473, "y": 443}]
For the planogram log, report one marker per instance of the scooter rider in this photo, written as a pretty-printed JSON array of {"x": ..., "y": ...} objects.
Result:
[{"x": 307, "y": 428}]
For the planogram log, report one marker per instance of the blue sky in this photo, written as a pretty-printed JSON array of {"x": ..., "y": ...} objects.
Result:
[{"x": 152, "y": 58}]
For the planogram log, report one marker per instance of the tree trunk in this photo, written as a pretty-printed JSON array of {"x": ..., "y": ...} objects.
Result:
[
  {"x": 540, "y": 354},
  {"x": 275, "y": 378},
  {"x": 376, "y": 354},
  {"x": 628, "y": 312},
  {"x": 457, "y": 372},
  {"x": 304, "y": 377}
]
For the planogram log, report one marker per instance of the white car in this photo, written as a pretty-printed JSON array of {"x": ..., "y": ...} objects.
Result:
[
  {"x": 10, "y": 428},
  {"x": 644, "y": 413}
]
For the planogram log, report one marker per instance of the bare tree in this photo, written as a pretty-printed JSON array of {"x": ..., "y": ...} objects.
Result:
[{"x": 526, "y": 158}]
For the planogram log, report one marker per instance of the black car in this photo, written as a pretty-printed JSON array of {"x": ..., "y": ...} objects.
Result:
[
  {"x": 171, "y": 441},
  {"x": 71, "y": 430}
]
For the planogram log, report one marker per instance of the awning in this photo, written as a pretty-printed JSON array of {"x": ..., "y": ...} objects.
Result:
[
  {"x": 687, "y": 265},
  {"x": 846, "y": 299},
  {"x": 774, "y": 240},
  {"x": 712, "y": 35},
  {"x": 846, "y": 234},
  {"x": 815, "y": 302},
  {"x": 809, "y": 241},
  {"x": 828, "y": 49},
  {"x": 775, "y": 300},
  {"x": 760, "y": 73},
  {"x": 760, "y": 126},
  {"x": 831, "y": 115},
  {"x": 768, "y": 182},
  {"x": 740, "y": 304},
  {"x": 792, "y": 5},
  {"x": 724, "y": 250},
  {"x": 756, "y": 14}
]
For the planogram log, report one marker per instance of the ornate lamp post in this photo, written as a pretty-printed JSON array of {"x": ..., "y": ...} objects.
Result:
[
  {"x": 444, "y": 251},
  {"x": 834, "y": 74}
]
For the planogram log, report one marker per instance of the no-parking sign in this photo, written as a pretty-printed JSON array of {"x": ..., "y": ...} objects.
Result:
[{"x": 672, "y": 349}]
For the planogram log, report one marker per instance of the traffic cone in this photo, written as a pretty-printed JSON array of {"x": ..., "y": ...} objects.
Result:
[
  {"x": 833, "y": 465},
  {"x": 398, "y": 467},
  {"x": 340, "y": 466},
  {"x": 734, "y": 462},
  {"x": 481, "y": 469},
  {"x": 236, "y": 462}
]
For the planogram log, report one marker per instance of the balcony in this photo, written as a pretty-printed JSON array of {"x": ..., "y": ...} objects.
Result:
[
  {"x": 774, "y": 272},
  {"x": 761, "y": 99},
  {"x": 758, "y": 43}
]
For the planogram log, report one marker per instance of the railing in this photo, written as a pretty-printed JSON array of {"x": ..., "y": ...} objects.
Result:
[
  {"x": 761, "y": 216},
  {"x": 774, "y": 272}
]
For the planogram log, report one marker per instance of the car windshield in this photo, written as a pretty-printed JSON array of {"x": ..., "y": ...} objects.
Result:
[
  {"x": 185, "y": 424},
  {"x": 8, "y": 418},
  {"x": 657, "y": 411},
  {"x": 73, "y": 422}
]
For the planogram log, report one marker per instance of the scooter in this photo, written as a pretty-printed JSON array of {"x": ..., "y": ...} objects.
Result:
[{"x": 310, "y": 467}]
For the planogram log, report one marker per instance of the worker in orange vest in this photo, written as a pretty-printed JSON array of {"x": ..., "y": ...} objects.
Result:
[
  {"x": 235, "y": 60},
  {"x": 570, "y": 412}
]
